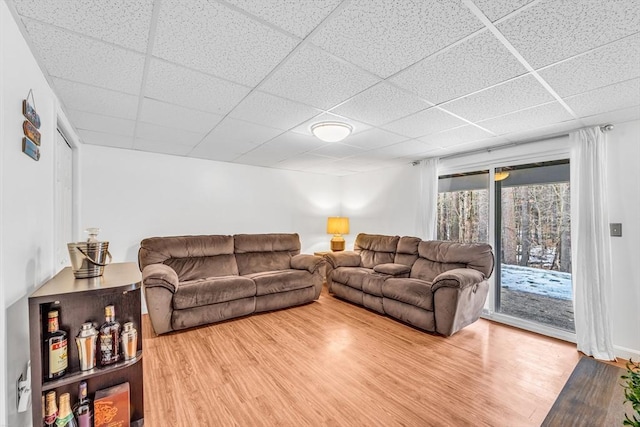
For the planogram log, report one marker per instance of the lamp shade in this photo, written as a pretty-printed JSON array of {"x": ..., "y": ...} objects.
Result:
[
  {"x": 337, "y": 225},
  {"x": 331, "y": 131}
]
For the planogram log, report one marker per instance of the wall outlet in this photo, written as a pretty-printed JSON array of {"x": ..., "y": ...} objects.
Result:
[{"x": 615, "y": 229}]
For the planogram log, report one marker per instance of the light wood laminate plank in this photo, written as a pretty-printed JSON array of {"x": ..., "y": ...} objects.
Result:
[{"x": 335, "y": 364}]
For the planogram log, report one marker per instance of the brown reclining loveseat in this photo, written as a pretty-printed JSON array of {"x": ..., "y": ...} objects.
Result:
[{"x": 433, "y": 285}]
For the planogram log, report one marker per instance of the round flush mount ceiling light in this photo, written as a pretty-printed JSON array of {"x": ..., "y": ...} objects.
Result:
[{"x": 331, "y": 131}]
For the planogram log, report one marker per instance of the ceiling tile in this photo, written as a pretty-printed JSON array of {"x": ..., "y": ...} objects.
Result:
[
  {"x": 161, "y": 147},
  {"x": 123, "y": 22},
  {"x": 496, "y": 9},
  {"x": 374, "y": 138},
  {"x": 337, "y": 150},
  {"x": 508, "y": 97},
  {"x": 315, "y": 78},
  {"x": 220, "y": 152},
  {"x": 273, "y": 111},
  {"x": 456, "y": 136},
  {"x": 163, "y": 134},
  {"x": 304, "y": 162},
  {"x": 384, "y": 36},
  {"x": 554, "y": 30},
  {"x": 207, "y": 36},
  {"x": 424, "y": 123},
  {"x": 305, "y": 128},
  {"x": 105, "y": 139},
  {"x": 468, "y": 67},
  {"x": 178, "y": 85},
  {"x": 381, "y": 104},
  {"x": 238, "y": 133},
  {"x": 402, "y": 149},
  {"x": 174, "y": 116},
  {"x": 531, "y": 118},
  {"x": 292, "y": 143},
  {"x": 84, "y": 60},
  {"x": 470, "y": 146},
  {"x": 609, "y": 64},
  {"x": 544, "y": 132},
  {"x": 81, "y": 97},
  {"x": 100, "y": 123},
  {"x": 257, "y": 159},
  {"x": 297, "y": 17},
  {"x": 619, "y": 116},
  {"x": 610, "y": 98}
]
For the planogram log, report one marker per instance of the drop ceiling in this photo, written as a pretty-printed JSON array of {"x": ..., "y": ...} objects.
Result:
[{"x": 242, "y": 81}]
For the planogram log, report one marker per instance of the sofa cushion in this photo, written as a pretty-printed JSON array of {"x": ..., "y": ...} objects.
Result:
[
  {"x": 392, "y": 269},
  {"x": 272, "y": 282},
  {"x": 478, "y": 256},
  {"x": 351, "y": 276},
  {"x": 415, "y": 292},
  {"x": 265, "y": 252},
  {"x": 212, "y": 290},
  {"x": 200, "y": 267},
  {"x": 407, "y": 252},
  {"x": 375, "y": 249},
  {"x": 192, "y": 257},
  {"x": 426, "y": 269}
]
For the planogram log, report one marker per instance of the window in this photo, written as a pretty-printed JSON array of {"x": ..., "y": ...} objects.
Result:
[{"x": 463, "y": 207}]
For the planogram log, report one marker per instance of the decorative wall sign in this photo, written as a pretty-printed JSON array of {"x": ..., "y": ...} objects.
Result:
[
  {"x": 31, "y": 140},
  {"x": 30, "y": 113},
  {"x": 31, "y": 132},
  {"x": 30, "y": 149}
]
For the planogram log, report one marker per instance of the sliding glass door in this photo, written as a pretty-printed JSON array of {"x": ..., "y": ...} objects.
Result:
[{"x": 533, "y": 243}]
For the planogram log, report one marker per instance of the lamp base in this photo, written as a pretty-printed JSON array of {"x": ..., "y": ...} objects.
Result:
[{"x": 337, "y": 244}]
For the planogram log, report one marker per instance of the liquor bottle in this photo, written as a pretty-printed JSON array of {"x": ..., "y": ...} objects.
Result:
[
  {"x": 55, "y": 349},
  {"x": 82, "y": 409},
  {"x": 65, "y": 416},
  {"x": 109, "y": 338},
  {"x": 51, "y": 412}
]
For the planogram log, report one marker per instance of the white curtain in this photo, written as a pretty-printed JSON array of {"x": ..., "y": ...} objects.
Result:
[
  {"x": 428, "y": 199},
  {"x": 590, "y": 246}
]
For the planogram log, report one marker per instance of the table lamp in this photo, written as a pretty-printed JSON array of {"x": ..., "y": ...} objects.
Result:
[{"x": 337, "y": 226}]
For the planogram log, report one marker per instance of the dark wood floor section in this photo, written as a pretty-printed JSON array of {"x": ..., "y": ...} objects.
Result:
[{"x": 331, "y": 363}]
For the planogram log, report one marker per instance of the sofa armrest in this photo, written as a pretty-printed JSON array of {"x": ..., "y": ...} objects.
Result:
[
  {"x": 307, "y": 262},
  {"x": 457, "y": 278},
  {"x": 160, "y": 275},
  {"x": 392, "y": 269},
  {"x": 343, "y": 259}
]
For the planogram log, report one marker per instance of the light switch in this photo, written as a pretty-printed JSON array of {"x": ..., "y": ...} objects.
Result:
[{"x": 615, "y": 229}]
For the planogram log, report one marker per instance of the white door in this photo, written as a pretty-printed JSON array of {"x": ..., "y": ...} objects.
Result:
[{"x": 63, "y": 203}]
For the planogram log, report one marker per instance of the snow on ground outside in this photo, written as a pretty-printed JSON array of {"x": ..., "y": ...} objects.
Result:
[{"x": 553, "y": 284}]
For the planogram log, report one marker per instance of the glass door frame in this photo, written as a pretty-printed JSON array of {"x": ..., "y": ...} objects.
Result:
[{"x": 510, "y": 159}]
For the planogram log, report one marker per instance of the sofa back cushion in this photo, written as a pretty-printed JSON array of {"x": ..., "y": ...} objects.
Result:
[
  {"x": 192, "y": 257},
  {"x": 407, "y": 252},
  {"x": 265, "y": 252},
  {"x": 376, "y": 249},
  {"x": 437, "y": 257}
]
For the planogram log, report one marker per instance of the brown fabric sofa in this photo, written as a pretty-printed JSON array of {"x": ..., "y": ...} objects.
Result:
[
  {"x": 195, "y": 280},
  {"x": 433, "y": 285}
]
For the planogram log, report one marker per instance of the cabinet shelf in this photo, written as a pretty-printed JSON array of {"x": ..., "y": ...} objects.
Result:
[
  {"x": 79, "y": 301},
  {"x": 76, "y": 377}
]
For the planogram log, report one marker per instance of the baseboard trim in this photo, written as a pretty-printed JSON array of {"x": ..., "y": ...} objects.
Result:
[{"x": 626, "y": 353}]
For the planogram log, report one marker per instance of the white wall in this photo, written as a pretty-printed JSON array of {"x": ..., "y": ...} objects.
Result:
[
  {"x": 623, "y": 155},
  {"x": 131, "y": 195},
  {"x": 386, "y": 202},
  {"x": 381, "y": 202},
  {"x": 26, "y": 198}
]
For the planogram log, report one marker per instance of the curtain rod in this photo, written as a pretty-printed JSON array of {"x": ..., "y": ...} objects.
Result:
[{"x": 604, "y": 128}]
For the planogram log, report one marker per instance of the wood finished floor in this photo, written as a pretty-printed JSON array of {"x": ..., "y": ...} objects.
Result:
[{"x": 330, "y": 363}]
